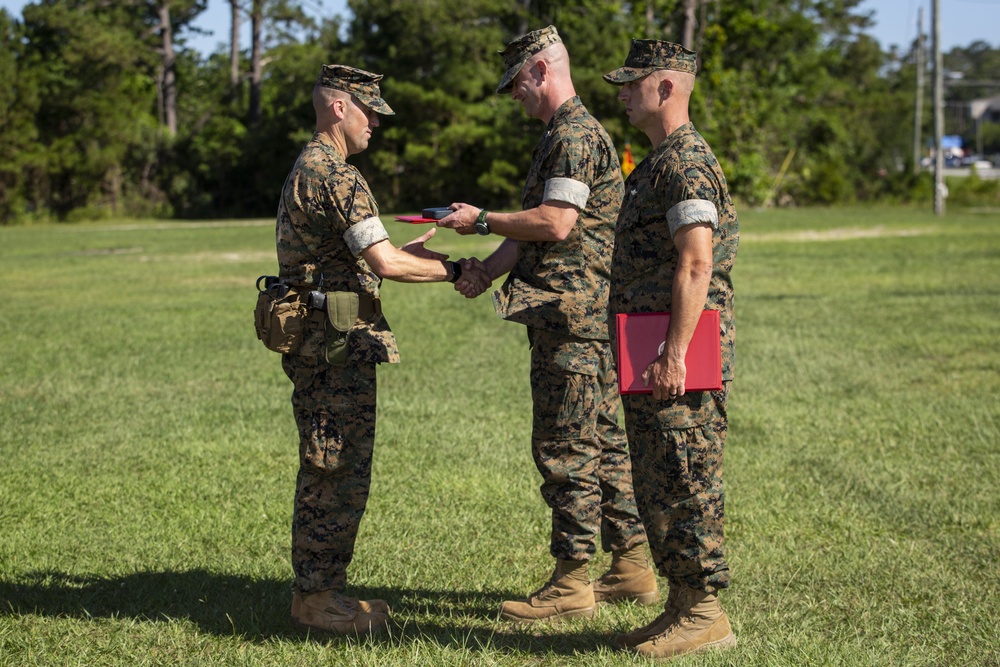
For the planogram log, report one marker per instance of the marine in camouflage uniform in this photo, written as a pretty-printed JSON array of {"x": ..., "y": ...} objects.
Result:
[
  {"x": 688, "y": 538},
  {"x": 558, "y": 289},
  {"x": 327, "y": 231},
  {"x": 334, "y": 406},
  {"x": 677, "y": 441}
]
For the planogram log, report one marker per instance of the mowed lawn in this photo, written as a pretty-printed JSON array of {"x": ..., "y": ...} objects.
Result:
[{"x": 149, "y": 455}]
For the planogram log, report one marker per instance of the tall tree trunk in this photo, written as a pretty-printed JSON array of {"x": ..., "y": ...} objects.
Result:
[
  {"x": 169, "y": 81},
  {"x": 112, "y": 187},
  {"x": 256, "y": 67},
  {"x": 234, "y": 45},
  {"x": 690, "y": 23},
  {"x": 702, "y": 23},
  {"x": 522, "y": 27}
]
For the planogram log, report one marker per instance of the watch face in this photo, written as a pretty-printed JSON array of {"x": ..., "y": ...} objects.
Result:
[{"x": 482, "y": 229}]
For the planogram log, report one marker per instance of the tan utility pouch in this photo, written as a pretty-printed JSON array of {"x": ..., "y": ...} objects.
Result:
[
  {"x": 280, "y": 316},
  {"x": 342, "y": 315}
]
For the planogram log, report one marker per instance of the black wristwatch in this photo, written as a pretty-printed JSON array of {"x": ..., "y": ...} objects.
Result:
[
  {"x": 456, "y": 271},
  {"x": 481, "y": 227}
]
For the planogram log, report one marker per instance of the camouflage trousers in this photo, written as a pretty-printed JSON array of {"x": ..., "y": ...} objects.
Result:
[
  {"x": 334, "y": 410},
  {"x": 677, "y": 450},
  {"x": 579, "y": 447}
]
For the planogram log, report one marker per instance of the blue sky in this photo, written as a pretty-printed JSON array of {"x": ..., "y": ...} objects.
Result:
[{"x": 962, "y": 21}]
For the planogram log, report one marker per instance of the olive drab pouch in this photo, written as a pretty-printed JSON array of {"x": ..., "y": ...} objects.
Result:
[
  {"x": 280, "y": 315},
  {"x": 342, "y": 314}
]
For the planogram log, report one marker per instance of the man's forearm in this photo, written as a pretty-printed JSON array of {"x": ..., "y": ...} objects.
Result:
[
  {"x": 687, "y": 299},
  {"x": 550, "y": 221},
  {"x": 412, "y": 263},
  {"x": 502, "y": 259}
]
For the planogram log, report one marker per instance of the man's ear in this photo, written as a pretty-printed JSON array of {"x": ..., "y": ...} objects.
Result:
[
  {"x": 665, "y": 88},
  {"x": 543, "y": 70},
  {"x": 339, "y": 108}
]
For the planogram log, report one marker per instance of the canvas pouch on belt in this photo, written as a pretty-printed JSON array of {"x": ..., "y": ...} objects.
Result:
[
  {"x": 280, "y": 315},
  {"x": 341, "y": 314}
]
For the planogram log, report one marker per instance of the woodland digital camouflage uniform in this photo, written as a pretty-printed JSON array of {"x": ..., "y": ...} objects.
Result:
[
  {"x": 559, "y": 290},
  {"x": 334, "y": 406},
  {"x": 677, "y": 446}
]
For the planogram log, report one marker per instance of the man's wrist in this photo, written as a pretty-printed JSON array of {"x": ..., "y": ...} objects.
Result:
[
  {"x": 456, "y": 271},
  {"x": 481, "y": 227}
]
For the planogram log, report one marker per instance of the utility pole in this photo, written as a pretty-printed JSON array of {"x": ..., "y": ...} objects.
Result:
[
  {"x": 940, "y": 191},
  {"x": 918, "y": 104}
]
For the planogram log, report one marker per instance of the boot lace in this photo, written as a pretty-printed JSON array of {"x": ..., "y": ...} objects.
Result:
[{"x": 545, "y": 592}]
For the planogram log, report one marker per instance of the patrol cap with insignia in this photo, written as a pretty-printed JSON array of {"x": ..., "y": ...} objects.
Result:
[
  {"x": 517, "y": 53},
  {"x": 363, "y": 85},
  {"x": 648, "y": 55}
]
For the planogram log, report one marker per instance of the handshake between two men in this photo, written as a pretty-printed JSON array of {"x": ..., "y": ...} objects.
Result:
[
  {"x": 551, "y": 221},
  {"x": 476, "y": 275}
]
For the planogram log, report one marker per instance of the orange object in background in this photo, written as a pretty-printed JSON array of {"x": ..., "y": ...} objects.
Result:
[{"x": 628, "y": 162}]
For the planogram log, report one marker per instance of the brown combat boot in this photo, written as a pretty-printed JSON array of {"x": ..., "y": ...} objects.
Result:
[
  {"x": 657, "y": 626},
  {"x": 629, "y": 579},
  {"x": 329, "y": 611},
  {"x": 701, "y": 625},
  {"x": 567, "y": 594}
]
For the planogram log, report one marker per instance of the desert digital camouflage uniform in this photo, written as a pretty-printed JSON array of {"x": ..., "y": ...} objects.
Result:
[
  {"x": 677, "y": 446},
  {"x": 325, "y": 219},
  {"x": 559, "y": 290}
]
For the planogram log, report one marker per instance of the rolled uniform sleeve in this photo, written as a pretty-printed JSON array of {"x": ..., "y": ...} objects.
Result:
[
  {"x": 567, "y": 190},
  {"x": 691, "y": 198},
  {"x": 692, "y": 212},
  {"x": 569, "y": 172},
  {"x": 365, "y": 234},
  {"x": 365, "y": 229}
]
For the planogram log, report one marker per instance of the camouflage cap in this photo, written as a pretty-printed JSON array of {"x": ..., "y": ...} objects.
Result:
[
  {"x": 648, "y": 55},
  {"x": 517, "y": 53},
  {"x": 363, "y": 85}
]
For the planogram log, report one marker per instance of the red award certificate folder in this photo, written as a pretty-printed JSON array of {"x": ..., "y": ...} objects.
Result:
[
  {"x": 640, "y": 340},
  {"x": 414, "y": 219}
]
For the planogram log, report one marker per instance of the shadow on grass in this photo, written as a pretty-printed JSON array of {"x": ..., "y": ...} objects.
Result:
[{"x": 258, "y": 610}]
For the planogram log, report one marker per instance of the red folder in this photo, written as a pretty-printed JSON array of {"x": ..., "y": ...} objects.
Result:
[
  {"x": 414, "y": 219},
  {"x": 640, "y": 340}
]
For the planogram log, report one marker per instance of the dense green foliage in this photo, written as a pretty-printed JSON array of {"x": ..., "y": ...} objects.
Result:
[
  {"x": 149, "y": 456},
  {"x": 800, "y": 104}
]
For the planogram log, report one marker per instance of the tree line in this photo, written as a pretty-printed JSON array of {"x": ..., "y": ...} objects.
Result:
[{"x": 106, "y": 112}]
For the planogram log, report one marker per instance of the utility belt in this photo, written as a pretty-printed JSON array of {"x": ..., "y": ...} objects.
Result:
[
  {"x": 366, "y": 308},
  {"x": 297, "y": 317}
]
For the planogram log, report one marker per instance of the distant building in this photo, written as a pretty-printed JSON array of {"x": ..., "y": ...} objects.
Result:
[{"x": 986, "y": 109}]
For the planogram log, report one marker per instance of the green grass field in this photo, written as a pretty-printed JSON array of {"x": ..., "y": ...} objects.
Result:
[{"x": 149, "y": 455}]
